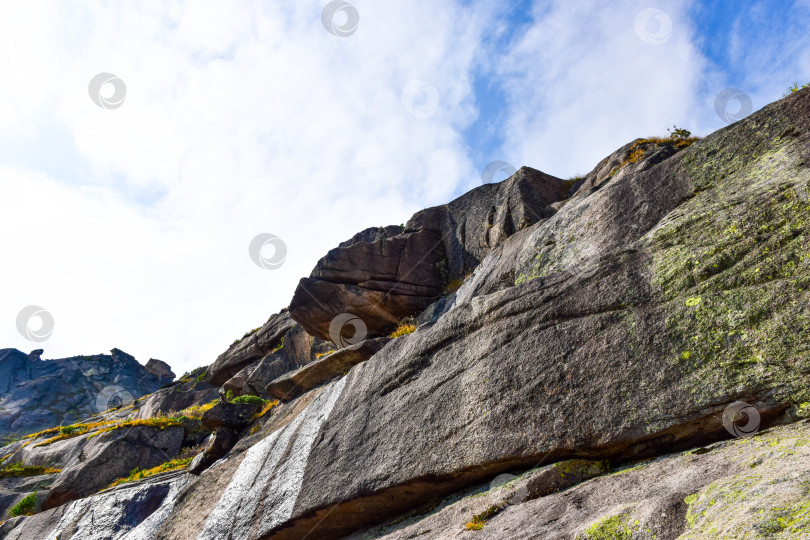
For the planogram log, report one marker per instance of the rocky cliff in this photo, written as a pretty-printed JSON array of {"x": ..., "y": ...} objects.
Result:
[
  {"x": 620, "y": 356},
  {"x": 36, "y": 394}
]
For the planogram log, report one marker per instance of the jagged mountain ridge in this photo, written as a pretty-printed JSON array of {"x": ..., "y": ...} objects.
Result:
[
  {"x": 621, "y": 322},
  {"x": 38, "y": 394}
]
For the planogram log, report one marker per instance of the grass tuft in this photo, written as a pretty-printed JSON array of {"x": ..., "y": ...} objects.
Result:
[
  {"x": 25, "y": 507},
  {"x": 195, "y": 412},
  {"x": 137, "y": 474},
  {"x": 16, "y": 470},
  {"x": 98, "y": 428},
  {"x": 404, "y": 328}
]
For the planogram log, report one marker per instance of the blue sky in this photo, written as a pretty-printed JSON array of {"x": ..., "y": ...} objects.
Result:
[
  {"x": 754, "y": 46},
  {"x": 131, "y": 225}
]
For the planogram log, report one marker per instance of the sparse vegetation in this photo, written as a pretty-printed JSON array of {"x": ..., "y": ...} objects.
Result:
[
  {"x": 678, "y": 137},
  {"x": 478, "y": 521},
  {"x": 137, "y": 474},
  {"x": 98, "y": 428},
  {"x": 266, "y": 404},
  {"x": 195, "y": 412},
  {"x": 197, "y": 375},
  {"x": 322, "y": 354},
  {"x": 266, "y": 408},
  {"x": 8, "y": 442},
  {"x": 16, "y": 470},
  {"x": 251, "y": 332},
  {"x": 456, "y": 284},
  {"x": 679, "y": 134},
  {"x": 795, "y": 87},
  {"x": 249, "y": 399},
  {"x": 405, "y": 327},
  {"x": 25, "y": 507}
]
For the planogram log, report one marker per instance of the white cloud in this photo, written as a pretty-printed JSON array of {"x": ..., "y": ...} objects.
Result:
[
  {"x": 581, "y": 81},
  {"x": 239, "y": 118}
]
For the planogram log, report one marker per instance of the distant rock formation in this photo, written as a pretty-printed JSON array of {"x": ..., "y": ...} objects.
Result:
[{"x": 37, "y": 394}]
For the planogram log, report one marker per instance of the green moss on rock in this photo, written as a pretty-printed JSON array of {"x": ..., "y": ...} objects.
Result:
[{"x": 614, "y": 527}]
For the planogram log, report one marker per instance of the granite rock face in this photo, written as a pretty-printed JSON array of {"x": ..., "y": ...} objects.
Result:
[
  {"x": 130, "y": 512},
  {"x": 384, "y": 275},
  {"x": 294, "y": 383},
  {"x": 601, "y": 355},
  {"x": 683, "y": 308},
  {"x": 112, "y": 455},
  {"x": 186, "y": 392},
  {"x": 37, "y": 394},
  {"x": 251, "y": 348},
  {"x": 747, "y": 488},
  {"x": 297, "y": 349}
]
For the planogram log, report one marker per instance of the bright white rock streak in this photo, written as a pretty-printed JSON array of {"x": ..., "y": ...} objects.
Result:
[{"x": 263, "y": 478}]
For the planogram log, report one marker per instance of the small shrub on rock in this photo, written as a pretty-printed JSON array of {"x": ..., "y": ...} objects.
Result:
[
  {"x": 249, "y": 399},
  {"x": 478, "y": 521},
  {"x": 795, "y": 87},
  {"x": 25, "y": 507},
  {"x": 404, "y": 328}
]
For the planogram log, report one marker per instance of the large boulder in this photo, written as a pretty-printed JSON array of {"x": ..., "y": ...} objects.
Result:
[
  {"x": 293, "y": 384},
  {"x": 159, "y": 368},
  {"x": 296, "y": 349},
  {"x": 110, "y": 455},
  {"x": 386, "y": 274},
  {"x": 189, "y": 391},
  {"x": 251, "y": 348},
  {"x": 38, "y": 394},
  {"x": 131, "y": 512}
]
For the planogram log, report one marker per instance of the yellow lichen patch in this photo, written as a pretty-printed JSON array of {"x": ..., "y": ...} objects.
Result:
[
  {"x": 322, "y": 354},
  {"x": 478, "y": 521},
  {"x": 614, "y": 527}
]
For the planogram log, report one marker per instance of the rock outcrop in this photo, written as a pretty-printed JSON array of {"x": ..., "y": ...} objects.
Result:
[
  {"x": 37, "y": 394},
  {"x": 749, "y": 488},
  {"x": 386, "y": 274},
  {"x": 251, "y": 348},
  {"x": 188, "y": 391},
  {"x": 581, "y": 383},
  {"x": 159, "y": 368},
  {"x": 108, "y": 456},
  {"x": 296, "y": 349},
  {"x": 294, "y": 383},
  {"x": 130, "y": 512}
]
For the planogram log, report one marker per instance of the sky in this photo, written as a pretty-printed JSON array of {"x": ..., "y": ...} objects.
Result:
[{"x": 144, "y": 145}]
